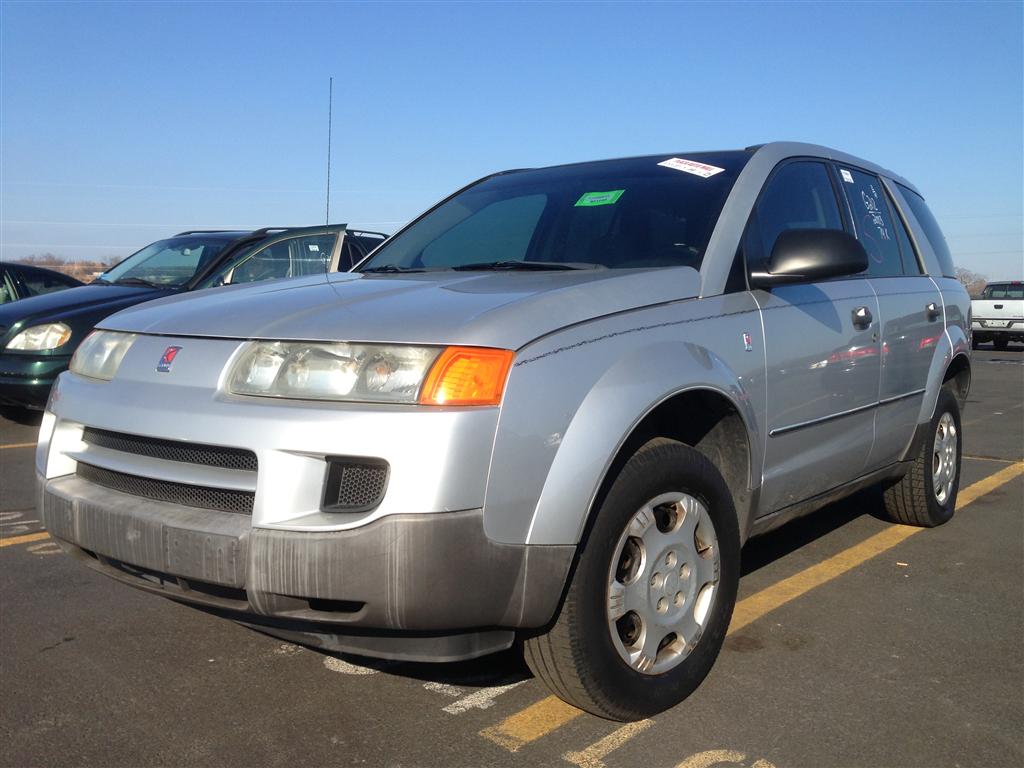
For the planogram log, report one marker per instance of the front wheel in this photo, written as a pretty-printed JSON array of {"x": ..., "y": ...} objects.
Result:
[
  {"x": 652, "y": 593},
  {"x": 926, "y": 494}
]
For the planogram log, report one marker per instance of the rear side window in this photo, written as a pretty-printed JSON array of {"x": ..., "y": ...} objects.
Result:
[
  {"x": 798, "y": 196},
  {"x": 931, "y": 230},
  {"x": 872, "y": 221}
]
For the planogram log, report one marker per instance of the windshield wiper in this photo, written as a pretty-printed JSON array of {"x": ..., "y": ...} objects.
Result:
[
  {"x": 136, "y": 281},
  {"x": 525, "y": 266},
  {"x": 100, "y": 281},
  {"x": 392, "y": 268}
]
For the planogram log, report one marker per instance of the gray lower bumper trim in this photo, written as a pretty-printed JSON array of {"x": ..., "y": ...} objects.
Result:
[
  {"x": 437, "y": 648},
  {"x": 424, "y": 573}
]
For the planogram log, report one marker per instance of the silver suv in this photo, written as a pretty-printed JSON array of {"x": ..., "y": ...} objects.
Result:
[{"x": 552, "y": 409}]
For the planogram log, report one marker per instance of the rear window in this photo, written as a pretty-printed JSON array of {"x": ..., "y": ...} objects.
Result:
[
  {"x": 1003, "y": 291},
  {"x": 931, "y": 230},
  {"x": 618, "y": 214}
]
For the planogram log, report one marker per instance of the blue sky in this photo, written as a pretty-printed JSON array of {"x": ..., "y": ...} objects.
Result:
[{"x": 125, "y": 123}]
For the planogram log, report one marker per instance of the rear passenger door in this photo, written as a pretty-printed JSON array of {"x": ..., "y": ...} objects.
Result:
[
  {"x": 821, "y": 348},
  {"x": 910, "y": 310}
]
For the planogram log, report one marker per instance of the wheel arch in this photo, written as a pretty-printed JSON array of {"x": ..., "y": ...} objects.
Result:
[{"x": 706, "y": 419}]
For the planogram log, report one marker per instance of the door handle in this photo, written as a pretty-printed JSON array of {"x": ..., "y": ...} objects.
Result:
[
  {"x": 862, "y": 317},
  {"x": 932, "y": 310}
]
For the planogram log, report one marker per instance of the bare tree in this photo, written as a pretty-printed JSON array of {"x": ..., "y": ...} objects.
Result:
[{"x": 972, "y": 281}]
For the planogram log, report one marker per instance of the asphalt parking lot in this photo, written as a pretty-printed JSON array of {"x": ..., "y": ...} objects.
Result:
[{"x": 855, "y": 643}]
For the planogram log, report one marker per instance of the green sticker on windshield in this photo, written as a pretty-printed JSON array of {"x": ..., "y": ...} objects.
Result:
[{"x": 599, "y": 198}]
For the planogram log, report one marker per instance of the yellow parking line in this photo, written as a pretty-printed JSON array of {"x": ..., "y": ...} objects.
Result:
[
  {"x": 530, "y": 724},
  {"x": 27, "y": 538},
  {"x": 768, "y": 599},
  {"x": 17, "y": 445},
  {"x": 551, "y": 713}
]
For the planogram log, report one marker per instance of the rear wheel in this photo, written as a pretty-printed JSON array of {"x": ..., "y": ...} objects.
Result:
[
  {"x": 926, "y": 495},
  {"x": 653, "y": 591}
]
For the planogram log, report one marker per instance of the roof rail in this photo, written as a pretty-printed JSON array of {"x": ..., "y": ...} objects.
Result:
[
  {"x": 204, "y": 232},
  {"x": 366, "y": 232}
]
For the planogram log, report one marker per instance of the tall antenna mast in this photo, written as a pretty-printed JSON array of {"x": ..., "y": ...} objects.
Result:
[{"x": 330, "y": 106}]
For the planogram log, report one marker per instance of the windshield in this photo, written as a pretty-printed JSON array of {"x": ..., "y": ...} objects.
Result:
[
  {"x": 166, "y": 263},
  {"x": 616, "y": 214},
  {"x": 1004, "y": 291}
]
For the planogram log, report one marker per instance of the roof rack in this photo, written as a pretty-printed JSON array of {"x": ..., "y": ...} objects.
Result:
[
  {"x": 366, "y": 232},
  {"x": 263, "y": 231}
]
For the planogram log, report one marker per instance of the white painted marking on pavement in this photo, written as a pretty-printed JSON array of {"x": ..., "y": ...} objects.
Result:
[
  {"x": 337, "y": 665},
  {"x": 482, "y": 699},
  {"x": 447, "y": 690},
  {"x": 593, "y": 756}
]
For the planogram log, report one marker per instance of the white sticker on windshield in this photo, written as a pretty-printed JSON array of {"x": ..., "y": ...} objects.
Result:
[
  {"x": 847, "y": 176},
  {"x": 314, "y": 247},
  {"x": 689, "y": 166}
]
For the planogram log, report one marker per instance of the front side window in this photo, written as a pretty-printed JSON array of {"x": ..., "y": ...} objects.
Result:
[
  {"x": 872, "y": 221},
  {"x": 7, "y": 292},
  {"x": 799, "y": 195},
  {"x": 617, "y": 214},
  {"x": 165, "y": 263},
  {"x": 293, "y": 257}
]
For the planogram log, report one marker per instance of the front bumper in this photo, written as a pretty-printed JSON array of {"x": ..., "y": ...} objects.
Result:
[
  {"x": 425, "y": 587},
  {"x": 25, "y": 379}
]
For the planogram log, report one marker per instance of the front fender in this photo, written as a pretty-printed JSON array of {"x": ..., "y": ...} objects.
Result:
[{"x": 569, "y": 410}]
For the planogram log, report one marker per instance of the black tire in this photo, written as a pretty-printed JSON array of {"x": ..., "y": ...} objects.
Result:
[
  {"x": 974, "y": 344},
  {"x": 577, "y": 658},
  {"x": 24, "y": 416},
  {"x": 1001, "y": 344},
  {"x": 912, "y": 500}
]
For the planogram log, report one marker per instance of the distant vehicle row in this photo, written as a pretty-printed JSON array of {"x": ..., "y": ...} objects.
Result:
[{"x": 39, "y": 334}]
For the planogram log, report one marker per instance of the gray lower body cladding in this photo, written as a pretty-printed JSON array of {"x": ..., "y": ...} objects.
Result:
[{"x": 403, "y": 574}]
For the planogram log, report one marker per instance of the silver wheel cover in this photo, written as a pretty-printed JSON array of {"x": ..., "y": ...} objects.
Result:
[
  {"x": 662, "y": 582},
  {"x": 944, "y": 448}
]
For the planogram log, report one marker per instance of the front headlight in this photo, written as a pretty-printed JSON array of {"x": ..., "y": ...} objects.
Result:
[
  {"x": 371, "y": 373},
  {"x": 100, "y": 355},
  {"x": 40, "y": 338}
]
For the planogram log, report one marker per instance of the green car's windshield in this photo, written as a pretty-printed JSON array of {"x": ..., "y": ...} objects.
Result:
[
  {"x": 167, "y": 263},
  {"x": 617, "y": 214}
]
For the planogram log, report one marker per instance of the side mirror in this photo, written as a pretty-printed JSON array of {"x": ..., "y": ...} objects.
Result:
[{"x": 806, "y": 255}]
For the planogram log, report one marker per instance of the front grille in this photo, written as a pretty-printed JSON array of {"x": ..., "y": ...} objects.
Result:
[
  {"x": 172, "y": 450},
  {"x": 355, "y": 484},
  {"x": 202, "y": 497}
]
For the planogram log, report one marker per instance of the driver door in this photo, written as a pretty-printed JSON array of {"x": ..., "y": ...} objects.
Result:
[{"x": 821, "y": 348}]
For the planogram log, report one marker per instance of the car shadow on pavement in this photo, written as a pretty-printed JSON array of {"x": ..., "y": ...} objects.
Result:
[{"x": 794, "y": 535}]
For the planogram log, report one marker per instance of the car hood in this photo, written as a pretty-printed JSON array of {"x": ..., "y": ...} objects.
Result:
[
  {"x": 84, "y": 302},
  {"x": 500, "y": 309}
]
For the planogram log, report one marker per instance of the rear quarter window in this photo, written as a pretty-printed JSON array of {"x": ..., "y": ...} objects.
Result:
[{"x": 931, "y": 230}]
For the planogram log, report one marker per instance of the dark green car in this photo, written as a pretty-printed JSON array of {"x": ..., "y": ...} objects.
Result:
[{"x": 39, "y": 334}]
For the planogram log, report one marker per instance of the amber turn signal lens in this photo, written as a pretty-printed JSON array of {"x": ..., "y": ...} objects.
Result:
[{"x": 467, "y": 376}]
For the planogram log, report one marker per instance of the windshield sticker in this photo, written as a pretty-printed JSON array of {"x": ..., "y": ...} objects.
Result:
[
  {"x": 599, "y": 198},
  {"x": 847, "y": 176},
  {"x": 314, "y": 247},
  {"x": 689, "y": 166}
]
